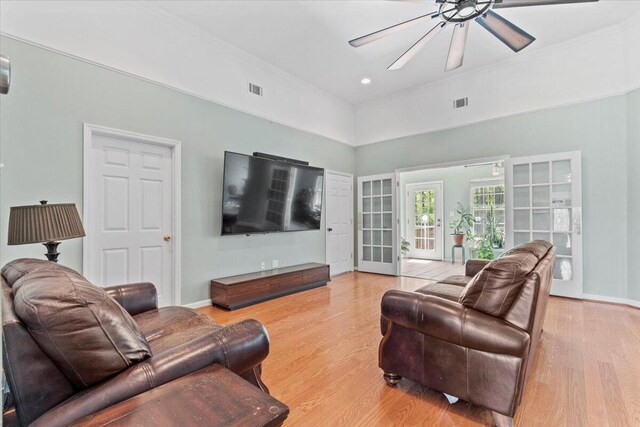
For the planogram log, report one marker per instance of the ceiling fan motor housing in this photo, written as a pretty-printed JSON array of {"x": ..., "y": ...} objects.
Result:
[{"x": 464, "y": 10}]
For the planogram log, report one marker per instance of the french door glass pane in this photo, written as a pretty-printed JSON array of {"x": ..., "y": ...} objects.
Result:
[
  {"x": 561, "y": 171},
  {"x": 376, "y": 254},
  {"x": 521, "y": 219},
  {"x": 386, "y": 238},
  {"x": 386, "y": 221},
  {"x": 366, "y": 204},
  {"x": 366, "y": 188},
  {"x": 521, "y": 197},
  {"x": 366, "y": 253},
  {"x": 563, "y": 269},
  {"x": 521, "y": 238},
  {"x": 366, "y": 221},
  {"x": 542, "y": 236},
  {"x": 562, "y": 242},
  {"x": 541, "y": 219},
  {"x": 541, "y": 196},
  {"x": 386, "y": 186},
  {"x": 561, "y": 195},
  {"x": 376, "y": 188},
  {"x": 540, "y": 173},
  {"x": 386, "y": 204},
  {"x": 377, "y": 237},
  {"x": 521, "y": 174},
  {"x": 375, "y": 223},
  {"x": 387, "y": 255},
  {"x": 376, "y": 205},
  {"x": 366, "y": 237},
  {"x": 562, "y": 219}
]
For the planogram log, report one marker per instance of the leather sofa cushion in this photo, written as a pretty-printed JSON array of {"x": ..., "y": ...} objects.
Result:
[
  {"x": 458, "y": 280},
  {"x": 442, "y": 290},
  {"x": 14, "y": 270},
  {"x": 168, "y": 327},
  {"x": 494, "y": 289},
  {"x": 538, "y": 248},
  {"x": 84, "y": 331}
]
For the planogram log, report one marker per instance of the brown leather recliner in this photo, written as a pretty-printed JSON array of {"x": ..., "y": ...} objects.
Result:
[
  {"x": 471, "y": 337},
  {"x": 179, "y": 339}
]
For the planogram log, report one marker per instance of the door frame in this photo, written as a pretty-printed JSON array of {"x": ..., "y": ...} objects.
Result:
[
  {"x": 440, "y": 211},
  {"x": 91, "y": 130},
  {"x": 351, "y": 213}
]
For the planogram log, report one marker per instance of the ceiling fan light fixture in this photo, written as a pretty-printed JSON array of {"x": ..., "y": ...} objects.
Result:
[{"x": 466, "y": 8}]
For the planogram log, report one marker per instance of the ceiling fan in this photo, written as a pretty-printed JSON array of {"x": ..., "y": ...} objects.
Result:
[{"x": 459, "y": 14}]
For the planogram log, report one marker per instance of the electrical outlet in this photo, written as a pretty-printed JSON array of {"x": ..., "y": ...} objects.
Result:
[
  {"x": 274, "y": 263},
  {"x": 263, "y": 265}
]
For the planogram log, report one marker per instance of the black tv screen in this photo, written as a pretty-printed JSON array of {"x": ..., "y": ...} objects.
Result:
[{"x": 261, "y": 195}]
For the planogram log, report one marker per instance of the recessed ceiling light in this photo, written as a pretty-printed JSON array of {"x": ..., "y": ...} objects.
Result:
[{"x": 365, "y": 81}]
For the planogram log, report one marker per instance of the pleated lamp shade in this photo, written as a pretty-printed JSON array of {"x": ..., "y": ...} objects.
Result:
[{"x": 44, "y": 223}]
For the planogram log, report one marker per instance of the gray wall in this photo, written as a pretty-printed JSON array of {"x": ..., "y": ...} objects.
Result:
[
  {"x": 597, "y": 128},
  {"x": 456, "y": 186},
  {"x": 633, "y": 166},
  {"x": 41, "y": 146}
]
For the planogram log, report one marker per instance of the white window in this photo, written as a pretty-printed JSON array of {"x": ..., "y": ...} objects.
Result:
[{"x": 485, "y": 195}]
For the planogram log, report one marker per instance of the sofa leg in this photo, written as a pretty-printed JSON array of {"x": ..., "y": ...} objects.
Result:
[
  {"x": 451, "y": 399},
  {"x": 502, "y": 420},
  {"x": 254, "y": 376},
  {"x": 391, "y": 378}
]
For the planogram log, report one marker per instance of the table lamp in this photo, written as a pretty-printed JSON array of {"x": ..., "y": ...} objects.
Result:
[{"x": 46, "y": 224}]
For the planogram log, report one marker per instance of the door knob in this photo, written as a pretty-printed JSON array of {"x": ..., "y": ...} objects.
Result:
[
  {"x": 329, "y": 229},
  {"x": 166, "y": 237}
]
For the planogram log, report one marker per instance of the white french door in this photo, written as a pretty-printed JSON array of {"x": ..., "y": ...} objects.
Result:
[
  {"x": 424, "y": 220},
  {"x": 544, "y": 202},
  {"x": 377, "y": 224},
  {"x": 131, "y": 210},
  {"x": 339, "y": 221}
]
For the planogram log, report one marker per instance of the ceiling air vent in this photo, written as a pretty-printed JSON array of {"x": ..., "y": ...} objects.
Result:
[
  {"x": 460, "y": 103},
  {"x": 255, "y": 89}
]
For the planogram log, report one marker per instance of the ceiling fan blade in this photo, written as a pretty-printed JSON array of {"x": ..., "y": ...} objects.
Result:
[
  {"x": 501, "y": 4},
  {"x": 458, "y": 43},
  {"x": 389, "y": 30},
  {"x": 507, "y": 32},
  {"x": 413, "y": 50}
]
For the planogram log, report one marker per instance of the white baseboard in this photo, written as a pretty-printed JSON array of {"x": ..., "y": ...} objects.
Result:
[
  {"x": 198, "y": 304},
  {"x": 615, "y": 300}
]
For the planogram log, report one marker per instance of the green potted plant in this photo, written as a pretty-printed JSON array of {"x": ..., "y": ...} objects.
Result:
[
  {"x": 484, "y": 249},
  {"x": 461, "y": 225},
  {"x": 493, "y": 233},
  {"x": 404, "y": 247}
]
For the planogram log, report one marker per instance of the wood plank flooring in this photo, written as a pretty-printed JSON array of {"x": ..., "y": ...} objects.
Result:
[
  {"x": 429, "y": 269},
  {"x": 323, "y": 362}
]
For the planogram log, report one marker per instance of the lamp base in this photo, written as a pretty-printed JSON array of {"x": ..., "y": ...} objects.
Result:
[{"x": 52, "y": 251}]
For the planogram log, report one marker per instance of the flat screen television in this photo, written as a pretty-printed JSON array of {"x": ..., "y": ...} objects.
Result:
[{"x": 262, "y": 195}]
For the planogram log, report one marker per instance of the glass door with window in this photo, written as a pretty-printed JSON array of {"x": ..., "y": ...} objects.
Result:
[
  {"x": 545, "y": 203},
  {"x": 377, "y": 224},
  {"x": 424, "y": 220}
]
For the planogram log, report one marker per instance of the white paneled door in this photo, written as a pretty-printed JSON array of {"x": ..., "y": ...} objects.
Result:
[
  {"x": 129, "y": 190},
  {"x": 339, "y": 221},
  {"x": 544, "y": 202},
  {"x": 377, "y": 224}
]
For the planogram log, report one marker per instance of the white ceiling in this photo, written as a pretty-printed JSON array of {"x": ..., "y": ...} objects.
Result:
[{"x": 309, "y": 38}]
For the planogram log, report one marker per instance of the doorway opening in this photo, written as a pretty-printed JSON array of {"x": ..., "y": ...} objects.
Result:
[{"x": 436, "y": 203}]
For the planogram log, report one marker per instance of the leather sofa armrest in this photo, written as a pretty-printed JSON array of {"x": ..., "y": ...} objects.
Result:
[
  {"x": 473, "y": 266},
  {"x": 453, "y": 322},
  {"x": 135, "y": 297},
  {"x": 238, "y": 347}
]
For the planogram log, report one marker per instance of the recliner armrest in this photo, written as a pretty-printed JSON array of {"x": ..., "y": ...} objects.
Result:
[
  {"x": 238, "y": 347},
  {"x": 453, "y": 322},
  {"x": 135, "y": 297},
  {"x": 473, "y": 266}
]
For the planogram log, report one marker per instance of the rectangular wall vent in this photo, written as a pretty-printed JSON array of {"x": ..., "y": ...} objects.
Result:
[
  {"x": 460, "y": 103},
  {"x": 255, "y": 89}
]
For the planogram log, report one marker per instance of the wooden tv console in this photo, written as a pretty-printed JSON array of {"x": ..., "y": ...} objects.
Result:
[{"x": 246, "y": 289}]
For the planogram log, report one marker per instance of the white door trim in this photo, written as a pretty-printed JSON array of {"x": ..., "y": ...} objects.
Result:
[
  {"x": 351, "y": 211},
  {"x": 466, "y": 162},
  {"x": 176, "y": 149},
  {"x": 439, "y": 212}
]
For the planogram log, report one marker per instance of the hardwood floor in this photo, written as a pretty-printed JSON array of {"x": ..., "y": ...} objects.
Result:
[
  {"x": 323, "y": 362},
  {"x": 429, "y": 269}
]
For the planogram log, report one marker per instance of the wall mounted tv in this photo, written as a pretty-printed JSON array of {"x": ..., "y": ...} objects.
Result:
[{"x": 263, "y": 195}]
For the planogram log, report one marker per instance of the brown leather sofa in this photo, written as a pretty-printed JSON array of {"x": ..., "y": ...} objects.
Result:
[
  {"x": 177, "y": 341},
  {"x": 471, "y": 337}
]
